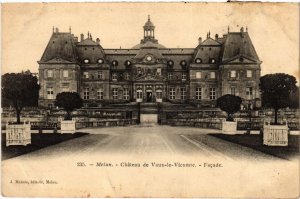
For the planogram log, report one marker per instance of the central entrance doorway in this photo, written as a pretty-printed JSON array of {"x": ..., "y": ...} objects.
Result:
[{"x": 149, "y": 96}]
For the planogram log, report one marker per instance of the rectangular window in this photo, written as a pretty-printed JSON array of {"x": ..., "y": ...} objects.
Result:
[
  {"x": 198, "y": 93},
  {"x": 139, "y": 94},
  {"x": 249, "y": 91},
  {"x": 86, "y": 75},
  {"x": 183, "y": 76},
  {"x": 172, "y": 93},
  {"x": 212, "y": 93},
  {"x": 198, "y": 75},
  {"x": 50, "y": 93},
  {"x": 114, "y": 76},
  {"x": 50, "y": 73},
  {"x": 212, "y": 75},
  {"x": 126, "y": 94},
  {"x": 65, "y": 89},
  {"x": 100, "y": 75},
  {"x": 183, "y": 93},
  {"x": 249, "y": 73},
  {"x": 100, "y": 94},
  {"x": 232, "y": 90},
  {"x": 159, "y": 95},
  {"x": 86, "y": 93},
  {"x": 115, "y": 93},
  {"x": 233, "y": 74},
  {"x": 65, "y": 73},
  {"x": 170, "y": 76},
  {"x": 159, "y": 71}
]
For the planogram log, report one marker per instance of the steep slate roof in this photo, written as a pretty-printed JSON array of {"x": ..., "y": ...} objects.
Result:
[
  {"x": 89, "y": 49},
  {"x": 62, "y": 46},
  {"x": 149, "y": 48},
  {"x": 138, "y": 46},
  {"x": 87, "y": 42},
  {"x": 210, "y": 42},
  {"x": 238, "y": 44}
]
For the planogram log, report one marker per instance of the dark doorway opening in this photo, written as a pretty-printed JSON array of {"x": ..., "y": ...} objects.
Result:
[{"x": 149, "y": 96}]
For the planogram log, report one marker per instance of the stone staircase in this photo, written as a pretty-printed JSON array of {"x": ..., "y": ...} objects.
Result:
[{"x": 148, "y": 108}]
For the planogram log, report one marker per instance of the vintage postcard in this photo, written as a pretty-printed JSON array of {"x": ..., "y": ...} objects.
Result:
[{"x": 150, "y": 100}]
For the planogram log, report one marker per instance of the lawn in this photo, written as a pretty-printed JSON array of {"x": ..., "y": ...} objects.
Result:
[
  {"x": 256, "y": 142},
  {"x": 38, "y": 141}
]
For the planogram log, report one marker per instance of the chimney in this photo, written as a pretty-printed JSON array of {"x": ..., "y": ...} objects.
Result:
[
  {"x": 81, "y": 37},
  {"x": 76, "y": 39},
  {"x": 98, "y": 40},
  {"x": 56, "y": 30},
  {"x": 242, "y": 29},
  {"x": 216, "y": 37},
  {"x": 200, "y": 40}
]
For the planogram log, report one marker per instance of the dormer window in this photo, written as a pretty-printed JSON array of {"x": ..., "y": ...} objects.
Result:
[
  {"x": 170, "y": 63},
  {"x": 127, "y": 63},
  {"x": 183, "y": 63},
  {"x": 198, "y": 61},
  {"x": 100, "y": 61},
  {"x": 86, "y": 61},
  {"x": 115, "y": 63}
]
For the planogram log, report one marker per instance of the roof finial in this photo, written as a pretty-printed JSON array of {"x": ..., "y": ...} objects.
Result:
[
  {"x": 70, "y": 30},
  {"x": 88, "y": 34},
  {"x": 228, "y": 29},
  {"x": 209, "y": 34},
  {"x": 148, "y": 17},
  {"x": 53, "y": 29},
  {"x": 246, "y": 28}
]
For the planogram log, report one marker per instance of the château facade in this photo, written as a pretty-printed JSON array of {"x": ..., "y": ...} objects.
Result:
[{"x": 149, "y": 71}]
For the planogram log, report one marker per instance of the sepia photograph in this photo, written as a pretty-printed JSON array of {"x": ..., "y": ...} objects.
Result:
[{"x": 166, "y": 100}]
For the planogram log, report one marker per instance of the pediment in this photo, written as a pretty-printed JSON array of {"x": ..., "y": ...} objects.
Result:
[
  {"x": 58, "y": 60},
  {"x": 241, "y": 59},
  {"x": 210, "y": 42}
]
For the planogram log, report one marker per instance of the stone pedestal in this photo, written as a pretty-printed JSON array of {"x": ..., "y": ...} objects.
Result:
[
  {"x": 18, "y": 134},
  {"x": 229, "y": 127},
  {"x": 275, "y": 135},
  {"x": 149, "y": 118},
  {"x": 67, "y": 126}
]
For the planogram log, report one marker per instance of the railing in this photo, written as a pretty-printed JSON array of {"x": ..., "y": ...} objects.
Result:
[{"x": 106, "y": 123}]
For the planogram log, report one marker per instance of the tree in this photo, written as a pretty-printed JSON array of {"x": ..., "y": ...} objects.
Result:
[
  {"x": 69, "y": 101},
  {"x": 276, "y": 90},
  {"x": 230, "y": 104},
  {"x": 20, "y": 90}
]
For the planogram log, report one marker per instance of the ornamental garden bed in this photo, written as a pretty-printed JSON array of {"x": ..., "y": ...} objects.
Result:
[
  {"x": 256, "y": 142},
  {"x": 38, "y": 141}
]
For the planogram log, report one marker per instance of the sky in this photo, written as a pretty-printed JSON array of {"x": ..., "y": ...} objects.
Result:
[{"x": 273, "y": 28}]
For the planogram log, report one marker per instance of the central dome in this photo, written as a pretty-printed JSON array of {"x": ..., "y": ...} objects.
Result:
[
  {"x": 149, "y": 40},
  {"x": 148, "y": 44}
]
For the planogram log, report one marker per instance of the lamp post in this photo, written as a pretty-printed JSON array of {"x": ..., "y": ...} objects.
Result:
[{"x": 249, "y": 109}]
